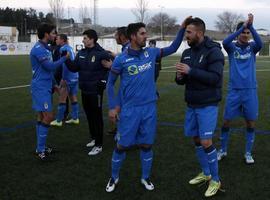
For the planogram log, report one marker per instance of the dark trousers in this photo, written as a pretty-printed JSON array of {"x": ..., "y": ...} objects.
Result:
[{"x": 92, "y": 105}]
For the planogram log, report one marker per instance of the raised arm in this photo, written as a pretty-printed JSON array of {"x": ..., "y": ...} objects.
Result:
[
  {"x": 257, "y": 45},
  {"x": 177, "y": 41}
]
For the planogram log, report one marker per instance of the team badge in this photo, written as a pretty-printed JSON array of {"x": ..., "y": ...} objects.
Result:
[
  {"x": 93, "y": 59},
  {"x": 46, "y": 106},
  {"x": 201, "y": 58},
  {"x": 146, "y": 54}
]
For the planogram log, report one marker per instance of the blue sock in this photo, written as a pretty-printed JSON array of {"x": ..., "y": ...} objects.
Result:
[
  {"x": 212, "y": 162},
  {"x": 224, "y": 138},
  {"x": 117, "y": 160},
  {"x": 250, "y": 137},
  {"x": 75, "y": 110},
  {"x": 146, "y": 162},
  {"x": 61, "y": 108},
  {"x": 202, "y": 158},
  {"x": 42, "y": 136}
]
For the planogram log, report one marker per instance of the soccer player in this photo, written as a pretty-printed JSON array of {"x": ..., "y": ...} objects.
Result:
[
  {"x": 137, "y": 119},
  {"x": 41, "y": 85},
  {"x": 201, "y": 70},
  {"x": 242, "y": 99},
  {"x": 68, "y": 86},
  {"x": 92, "y": 82},
  {"x": 121, "y": 38}
]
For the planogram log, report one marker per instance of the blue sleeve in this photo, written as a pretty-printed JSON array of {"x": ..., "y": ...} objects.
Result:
[
  {"x": 257, "y": 44},
  {"x": 112, "y": 99},
  {"x": 175, "y": 44},
  {"x": 214, "y": 71},
  {"x": 51, "y": 66},
  {"x": 116, "y": 65},
  {"x": 227, "y": 42}
]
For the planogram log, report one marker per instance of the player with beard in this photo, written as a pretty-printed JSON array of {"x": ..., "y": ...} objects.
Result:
[
  {"x": 138, "y": 116},
  {"x": 201, "y": 71}
]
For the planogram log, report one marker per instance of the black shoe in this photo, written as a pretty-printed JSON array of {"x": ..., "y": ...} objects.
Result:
[
  {"x": 49, "y": 151},
  {"x": 42, "y": 156}
]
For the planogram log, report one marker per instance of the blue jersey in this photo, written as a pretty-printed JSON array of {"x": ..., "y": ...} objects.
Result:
[
  {"x": 136, "y": 69},
  {"x": 41, "y": 76},
  {"x": 242, "y": 60},
  {"x": 67, "y": 75}
]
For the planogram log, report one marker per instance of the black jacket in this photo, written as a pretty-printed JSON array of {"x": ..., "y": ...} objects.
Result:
[
  {"x": 204, "y": 81},
  {"x": 92, "y": 74}
]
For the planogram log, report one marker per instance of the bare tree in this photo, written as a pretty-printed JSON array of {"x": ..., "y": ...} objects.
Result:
[
  {"x": 227, "y": 21},
  {"x": 57, "y": 8},
  {"x": 140, "y": 11},
  {"x": 162, "y": 23}
]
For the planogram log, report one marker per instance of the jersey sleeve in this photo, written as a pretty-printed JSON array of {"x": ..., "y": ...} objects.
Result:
[
  {"x": 41, "y": 54},
  {"x": 117, "y": 65}
]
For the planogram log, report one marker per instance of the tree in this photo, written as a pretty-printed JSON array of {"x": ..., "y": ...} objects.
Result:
[
  {"x": 57, "y": 8},
  {"x": 227, "y": 21},
  {"x": 140, "y": 11},
  {"x": 162, "y": 23}
]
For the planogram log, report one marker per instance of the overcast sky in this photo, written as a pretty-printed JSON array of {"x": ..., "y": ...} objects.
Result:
[{"x": 204, "y": 8}]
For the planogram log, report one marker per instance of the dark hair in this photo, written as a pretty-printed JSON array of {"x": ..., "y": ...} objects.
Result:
[
  {"x": 133, "y": 28},
  {"x": 239, "y": 25},
  {"x": 199, "y": 23},
  {"x": 44, "y": 28},
  {"x": 92, "y": 34},
  {"x": 154, "y": 42},
  {"x": 63, "y": 37},
  {"x": 122, "y": 31}
]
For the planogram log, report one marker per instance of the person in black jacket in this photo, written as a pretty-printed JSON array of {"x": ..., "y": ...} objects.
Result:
[
  {"x": 93, "y": 74},
  {"x": 201, "y": 70}
]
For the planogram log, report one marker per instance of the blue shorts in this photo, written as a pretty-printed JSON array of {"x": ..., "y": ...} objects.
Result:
[
  {"x": 241, "y": 102},
  {"x": 42, "y": 100},
  {"x": 137, "y": 125},
  {"x": 201, "y": 122},
  {"x": 72, "y": 88}
]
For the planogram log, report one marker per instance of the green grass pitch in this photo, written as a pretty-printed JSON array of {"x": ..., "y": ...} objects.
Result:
[{"x": 73, "y": 175}]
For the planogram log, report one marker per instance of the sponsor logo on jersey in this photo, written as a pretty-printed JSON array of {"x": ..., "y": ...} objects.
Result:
[
  {"x": 133, "y": 70},
  {"x": 129, "y": 59},
  {"x": 245, "y": 56}
]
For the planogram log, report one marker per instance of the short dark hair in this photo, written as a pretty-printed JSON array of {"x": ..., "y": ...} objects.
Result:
[
  {"x": 133, "y": 28},
  {"x": 239, "y": 25},
  {"x": 154, "y": 42},
  {"x": 122, "y": 31},
  {"x": 92, "y": 34},
  {"x": 63, "y": 37},
  {"x": 44, "y": 28},
  {"x": 198, "y": 22}
]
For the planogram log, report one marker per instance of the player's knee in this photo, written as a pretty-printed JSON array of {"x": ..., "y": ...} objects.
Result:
[
  {"x": 145, "y": 147},
  {"x": 226, "y": 123},
  {"x": 47, "y": 118},
  {"x": 250, "y": 124},
  {"x": 206, "y": 143},
  {"x": 196, "y": 140},
  {"x": 120, "y": 149}
]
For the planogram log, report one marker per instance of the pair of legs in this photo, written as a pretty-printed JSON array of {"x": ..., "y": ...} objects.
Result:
[
  {"x": 240, "y": 102},
  {"x": 92, "y": 105},
  {"x": 65, "y": 91},
  {"x": 250, "y": 137},
  {"x": 137, "y": 125},
  {"x": 200, "y": 124}
]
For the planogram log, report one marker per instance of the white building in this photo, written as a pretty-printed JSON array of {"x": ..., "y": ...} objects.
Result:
[{"x": 8, "y": 34}]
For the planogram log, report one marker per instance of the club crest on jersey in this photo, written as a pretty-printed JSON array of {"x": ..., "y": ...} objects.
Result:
[
  {"x": 133, "y": 70},
  {"x": 201, "y": 58},
  {"x": 93, "y": 59},
  {"x": 46, "y": 106},
  {"x": 146, "y": 54}
]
